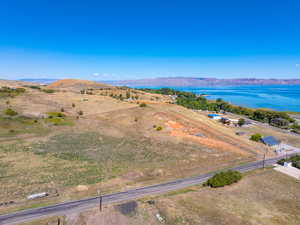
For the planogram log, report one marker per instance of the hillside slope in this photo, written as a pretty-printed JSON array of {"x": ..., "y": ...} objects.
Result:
[
  {"x": 76, "y": 85},
  {"x": 62, "y": 140}
]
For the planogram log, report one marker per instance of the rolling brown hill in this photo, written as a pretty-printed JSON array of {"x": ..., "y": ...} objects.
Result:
[{"x": 76, "y": 85}]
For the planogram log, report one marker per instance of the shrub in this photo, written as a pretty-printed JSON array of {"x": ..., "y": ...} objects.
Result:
[
  {"x": 296, "y": 164},
  {"x": 281, "y": 161},
  {"x": 34, "y": 87},
  {"x": 256, "y": 137},
  {"x": 73, "y": 105},
  {"x": 224, "y": 178},
  {"x": 159, "y": 128},
  {"x": 62, "y": 109},
  {"x": 10, "y": 112},
  {"x": 10, "y": 92},
  {"x": 49, "y": 91},
  {"x": 80, "y": 112},
  {"x": 20, "y": 90},
  {"x": 55, "y": 114},
  {"x": 241, "y": 122},
  {"x": 143, "y": 104}
]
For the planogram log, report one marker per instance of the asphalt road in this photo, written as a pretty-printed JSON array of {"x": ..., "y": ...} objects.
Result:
[{"x": 79, "y": 205}]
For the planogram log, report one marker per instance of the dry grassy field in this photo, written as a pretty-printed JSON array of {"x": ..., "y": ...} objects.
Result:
[
  {"x": 262, "y": 197},
  {"x": 63, "y": 141}
]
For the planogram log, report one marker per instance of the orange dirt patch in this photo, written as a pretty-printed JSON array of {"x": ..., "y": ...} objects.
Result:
[
  {"x": 174, "y": 125},
  {"x": 178, "y": 130}
]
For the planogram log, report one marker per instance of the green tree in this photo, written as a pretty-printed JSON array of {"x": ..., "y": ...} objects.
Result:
[
  {"x": 10, "y": 112},
  {"x": 256, "y": 137},
  {"x": 241, "y": 122},
  {"x": 224, "y": 178},
  {"x": 127, "y": 94}
]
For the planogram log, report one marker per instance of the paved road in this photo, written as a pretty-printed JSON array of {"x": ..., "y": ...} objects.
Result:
[{"x": 75, "y": 206}]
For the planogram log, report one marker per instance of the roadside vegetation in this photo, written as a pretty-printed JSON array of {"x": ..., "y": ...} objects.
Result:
[
  {"x": 193, "y": 101},
  {"x": 224, "y": 178},
  {"x": 250, "y": 202}
]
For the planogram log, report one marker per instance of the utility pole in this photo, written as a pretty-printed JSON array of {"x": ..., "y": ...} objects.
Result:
[
  {"x": 58, "y": 221},
  {"x": 100, "y": 200},
  {"x": 264, "y": 160}
]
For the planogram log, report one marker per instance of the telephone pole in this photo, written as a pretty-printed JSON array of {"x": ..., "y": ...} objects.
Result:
[
  {"x": 100, "y": 200},
  {"x": 264, "y": 161}
]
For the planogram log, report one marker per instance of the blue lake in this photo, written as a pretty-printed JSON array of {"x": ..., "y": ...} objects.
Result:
[{"x": 277, "y": 97}]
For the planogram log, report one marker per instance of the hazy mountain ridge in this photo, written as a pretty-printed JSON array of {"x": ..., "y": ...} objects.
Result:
[{"x": 193, "y": 81}]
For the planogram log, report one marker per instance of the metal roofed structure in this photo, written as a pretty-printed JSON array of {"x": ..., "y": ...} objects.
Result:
[{"x": 270, "y": 141}]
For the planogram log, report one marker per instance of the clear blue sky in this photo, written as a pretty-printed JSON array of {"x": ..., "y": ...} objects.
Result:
[{"x": 105, "y": 40}]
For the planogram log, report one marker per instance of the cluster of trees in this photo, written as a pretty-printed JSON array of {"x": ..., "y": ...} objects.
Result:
[
  {"x": 224, "y": 178},
  {"x": 11, "y": 92},
  {"x": 192, "y": 101},
  {"x": 48, "y": 91},
  {"x": 121, "y": 97}
]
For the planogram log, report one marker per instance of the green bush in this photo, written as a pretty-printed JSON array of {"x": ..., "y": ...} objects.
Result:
[
  {"x": 296, "y": 164},
  {"x": 49, "y": 91},
  {"x": 241, "y": 122},
  {"x": 224, "y": 178},
  {"x": 143, "y": 104},
  {"x": 10, "y": 112},
  {"x": 281, "y": 161},
  {"x": 256, "y": 137},
  {"x": 56, "y": 114},
  {"x": 33, "y": 87},
  {"x": 159, "y": 128}
]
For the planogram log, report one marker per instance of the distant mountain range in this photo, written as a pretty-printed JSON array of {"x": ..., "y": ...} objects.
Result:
[
  {"x": 40, "y": 81},
  {"x": 184, "y": 82},
  {"x": 193, "y": 82}
]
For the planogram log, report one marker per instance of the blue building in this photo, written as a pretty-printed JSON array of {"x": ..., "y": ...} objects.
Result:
[{"x": 270, "y": 141}]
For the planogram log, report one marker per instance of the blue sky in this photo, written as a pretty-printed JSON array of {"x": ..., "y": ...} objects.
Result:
[{"x": 108, "y": 40}]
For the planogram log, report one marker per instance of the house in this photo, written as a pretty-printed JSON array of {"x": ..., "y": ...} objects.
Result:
[
  {"x": 225, "y": 120},
  {"x": 247, "y": 123},
  {"x": 214, "y": 116},
  {"x": 287, "y": 164},
  {"x": 270, "y": 141}
]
